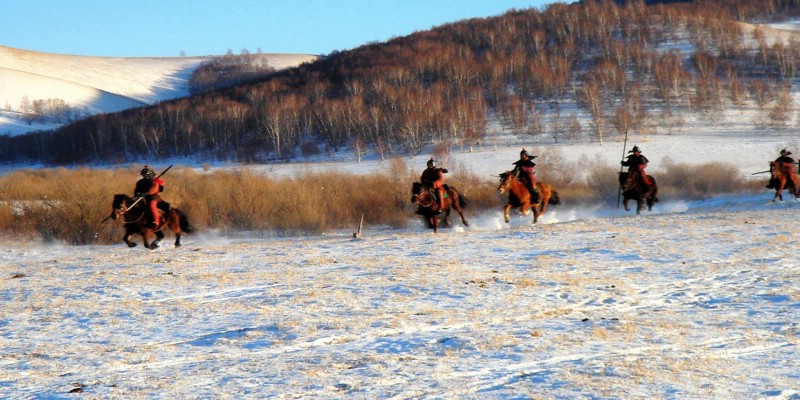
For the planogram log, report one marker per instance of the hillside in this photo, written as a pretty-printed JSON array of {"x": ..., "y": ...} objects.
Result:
[
  {"x": 583, "y": 72},
  {"x": 98, "y": 85}
]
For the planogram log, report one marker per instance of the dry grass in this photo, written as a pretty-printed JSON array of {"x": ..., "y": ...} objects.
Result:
[{"x": 68, "y": 205}]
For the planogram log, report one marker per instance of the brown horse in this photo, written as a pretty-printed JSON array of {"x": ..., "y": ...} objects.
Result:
[
  {"x": 133, "y": 214},
  {"x": 634, "y": 189},
  {"x": 520, "y": 197},
  {"x": 784, "y": 178},
  {"x": 428, "y": 206}
]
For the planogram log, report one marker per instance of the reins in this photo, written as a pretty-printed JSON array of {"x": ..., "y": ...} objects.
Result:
[
  {"x": 419, "y": 198},
  {"x": 138, "y": 199}
]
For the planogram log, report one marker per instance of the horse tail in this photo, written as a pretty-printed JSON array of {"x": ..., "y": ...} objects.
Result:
[
  {"x": 462, "y": 201},
  {"x": 554, "y": 199},
  {"x": 183, "y": 219}
]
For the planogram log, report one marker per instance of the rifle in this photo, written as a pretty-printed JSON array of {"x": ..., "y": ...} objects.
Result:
[
  {"x": 624, "y": 147},
  {"x": 762, "y": 172},
  {"x": 139, "y": 198}
]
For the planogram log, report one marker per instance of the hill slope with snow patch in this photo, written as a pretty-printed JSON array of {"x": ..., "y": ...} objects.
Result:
[{"x": 98, "y": 84}]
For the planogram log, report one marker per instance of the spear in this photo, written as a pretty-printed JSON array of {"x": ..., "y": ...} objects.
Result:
[{"x": 624, "y": 147}]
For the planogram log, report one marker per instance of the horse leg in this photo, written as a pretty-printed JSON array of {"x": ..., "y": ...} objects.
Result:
[
  {"x": 460, "y": 212},
  {"x": 506, "y": 209},
  {"x": 127, "y": 240},
  {"x": 152, "y": 245},
  {"x": 625, "y": 203},
  {"x": 159, "y": 238}
]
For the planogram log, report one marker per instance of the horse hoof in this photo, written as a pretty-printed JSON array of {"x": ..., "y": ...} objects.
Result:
[{"x": 131, "y": 244}]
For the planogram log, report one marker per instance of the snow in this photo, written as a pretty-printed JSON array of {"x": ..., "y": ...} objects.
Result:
[{"x": 696, "y": 300}]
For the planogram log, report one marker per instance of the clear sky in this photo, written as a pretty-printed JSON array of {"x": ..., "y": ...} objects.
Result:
[{"x": 166, "y": 28}]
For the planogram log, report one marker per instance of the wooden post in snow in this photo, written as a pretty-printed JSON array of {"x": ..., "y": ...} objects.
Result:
[{"x": 357, "y": 234}]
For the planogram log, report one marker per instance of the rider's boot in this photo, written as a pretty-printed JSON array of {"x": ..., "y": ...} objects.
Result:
[
  {"x": 535, "y": 198},
  {"x": 441, "y": 202}
]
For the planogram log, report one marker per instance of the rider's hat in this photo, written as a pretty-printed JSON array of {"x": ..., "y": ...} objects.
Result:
[
  {"x": 431, "y": 163},
  {"x": 148, "y": 172},
  {"x": 524, "y": 153},
  {"x": 635, "y": 149},
  {"x": 785, "y": 153}
]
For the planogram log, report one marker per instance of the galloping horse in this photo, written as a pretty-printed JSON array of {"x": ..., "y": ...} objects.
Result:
[
  {"x": 133, "y": 214},
  {"x": 519, "y": 196},
  {"x": 428, "y": 206},
  {"x": 781, "y": 179},
  {"x": 633, "y": 189}
]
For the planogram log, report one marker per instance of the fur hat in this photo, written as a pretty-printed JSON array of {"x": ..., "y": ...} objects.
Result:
[
  {"x": 635, "y": 149},
  {"x": 785, "y": 153},
  {"x": 431, "y": 162}
]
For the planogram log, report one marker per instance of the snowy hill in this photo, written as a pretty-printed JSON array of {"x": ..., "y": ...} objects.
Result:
[{"x": 98, "y": 84}]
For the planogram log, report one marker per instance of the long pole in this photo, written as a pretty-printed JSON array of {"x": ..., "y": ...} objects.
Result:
[{"x": 624, "y": 147}]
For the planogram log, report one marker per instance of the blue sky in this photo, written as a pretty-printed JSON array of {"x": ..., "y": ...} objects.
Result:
[{"x": 167, "y": 28}]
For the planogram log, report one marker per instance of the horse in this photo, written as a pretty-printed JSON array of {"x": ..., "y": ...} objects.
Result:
[
  {"x": 520, "y": 197},
  {"x": 781, "y": 179},
  {"x": 428, "y": 205},
  {"x": 133, "y": 214},
  {"x": 643, "y": 193}
]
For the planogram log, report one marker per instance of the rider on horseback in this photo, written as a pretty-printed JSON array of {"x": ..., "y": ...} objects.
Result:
[
  {"x": 636, "y": 164},
  {"x": 783, "y": 165},
  {"x": 149, "y": 187},
  {"x": 433, "y": 178},
  {"x": 523, "y": 168}
]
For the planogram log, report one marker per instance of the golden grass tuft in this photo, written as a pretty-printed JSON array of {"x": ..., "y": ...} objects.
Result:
[{"x": 68, "y": 205}]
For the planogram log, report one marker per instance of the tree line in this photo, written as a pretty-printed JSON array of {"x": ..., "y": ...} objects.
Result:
[{"x": 617, "y": 61}]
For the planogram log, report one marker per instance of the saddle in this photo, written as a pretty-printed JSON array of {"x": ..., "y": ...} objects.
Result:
[{"x": 636, "y": 180}]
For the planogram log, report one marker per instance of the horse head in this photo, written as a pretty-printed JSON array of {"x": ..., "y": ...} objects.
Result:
[
  {"x": 416, "y": 192},
  {"x": 120, "y": 205},
  {"x": 506, "y": 178}
]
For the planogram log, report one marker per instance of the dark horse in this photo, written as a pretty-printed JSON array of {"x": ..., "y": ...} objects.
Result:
[
  {"x": 635, "y": 189},
  {"x": 428, "y": 206},
  {"x": 133, "y": 214},
  {"x": 519, "y": 196},
  {"x": 784, "y": 178}
]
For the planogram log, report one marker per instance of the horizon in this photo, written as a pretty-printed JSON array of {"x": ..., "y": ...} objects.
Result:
[{"x": 148, "y": 28}]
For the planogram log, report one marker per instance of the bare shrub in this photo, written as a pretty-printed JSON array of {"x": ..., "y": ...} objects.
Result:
[
  {"x": 69, "y": 206},
  {"x": 603, "y": 183},
  {"x": 61, "y": 205},
  {"x": 699, "y": 181}
]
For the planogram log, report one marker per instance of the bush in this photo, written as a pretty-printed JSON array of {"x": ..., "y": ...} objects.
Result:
[{"x": 69, "y": 206}]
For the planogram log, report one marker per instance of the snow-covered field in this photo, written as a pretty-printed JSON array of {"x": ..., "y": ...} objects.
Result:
[{"x": 695, "y": 300}]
